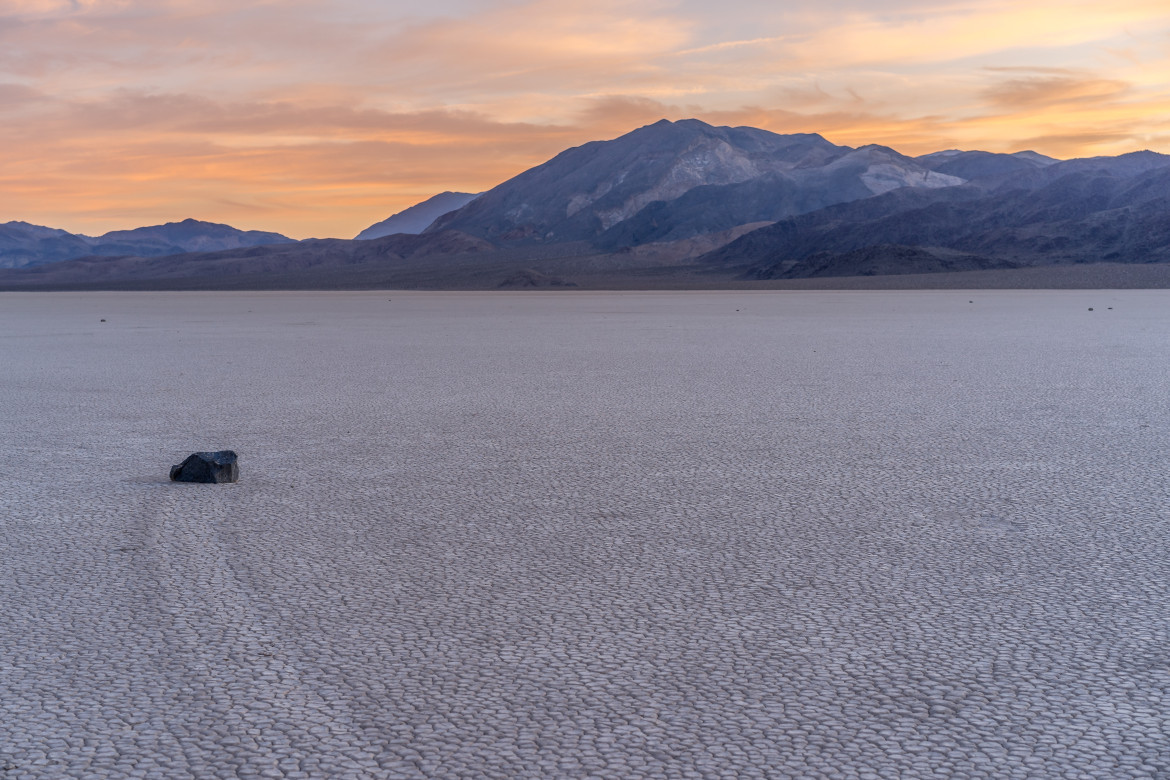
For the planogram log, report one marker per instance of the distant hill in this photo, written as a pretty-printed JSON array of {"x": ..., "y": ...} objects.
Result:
[
  {"x": 418, "y": 217},
  {"x": 190, "y": 235},
  {"x": 973, "y": 166},
  {"x": 23, "y": 245}
]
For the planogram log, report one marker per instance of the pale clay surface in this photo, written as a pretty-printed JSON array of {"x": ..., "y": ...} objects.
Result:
[{"x": 840, "y": 535}]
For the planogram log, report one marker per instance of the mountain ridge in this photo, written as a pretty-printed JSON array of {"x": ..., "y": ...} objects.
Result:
[
  {"x": 586, "y": 190},
  {"x": 24, "y": 245},
  {"x": 689, "y": 203},
  {"x": 1078, "y": 214}
]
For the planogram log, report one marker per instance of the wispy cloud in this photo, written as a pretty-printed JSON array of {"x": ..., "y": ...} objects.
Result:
[
  {"x": 1043, "y": 91},
  {"x": 725, "y": 45}
]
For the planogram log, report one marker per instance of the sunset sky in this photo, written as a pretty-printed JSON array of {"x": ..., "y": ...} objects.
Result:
[{"x": 317, "y": 118}]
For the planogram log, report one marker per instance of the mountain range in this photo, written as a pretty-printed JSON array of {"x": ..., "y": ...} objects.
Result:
[
  {"x": 1109, "y": 209},
  {"x": 682, "y": 204},
  {"x": 23, "y": 245}
]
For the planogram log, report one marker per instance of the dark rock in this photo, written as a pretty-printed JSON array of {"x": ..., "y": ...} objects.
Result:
[{"x": 211, "y": 467}]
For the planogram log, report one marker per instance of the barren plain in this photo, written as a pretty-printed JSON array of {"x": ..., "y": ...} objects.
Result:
[{"x": 614, "y": 535}]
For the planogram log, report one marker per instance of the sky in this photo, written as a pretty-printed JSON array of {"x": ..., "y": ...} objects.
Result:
[{"x": 318, "y": 118}]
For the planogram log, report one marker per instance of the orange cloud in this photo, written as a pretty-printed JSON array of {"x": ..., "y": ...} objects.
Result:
[{"x": 1043, "y": 91}]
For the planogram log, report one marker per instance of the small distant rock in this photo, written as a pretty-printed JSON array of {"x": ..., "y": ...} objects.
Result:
[
  {"x": 1090, "y": 308},
  {"x": 207, "y": 467}
]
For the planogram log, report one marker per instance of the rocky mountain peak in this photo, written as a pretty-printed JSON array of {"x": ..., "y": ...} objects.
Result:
[{"x": 589, "y": 189}]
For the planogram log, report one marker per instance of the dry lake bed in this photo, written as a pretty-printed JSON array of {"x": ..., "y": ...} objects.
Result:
[{"x": 613, "y": 535}]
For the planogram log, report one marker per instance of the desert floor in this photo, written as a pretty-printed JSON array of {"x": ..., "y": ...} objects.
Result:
[{"x": 732, "y": 534}]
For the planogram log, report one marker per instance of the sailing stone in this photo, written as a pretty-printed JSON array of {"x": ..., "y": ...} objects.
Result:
[{"x": 211, "y": 467}]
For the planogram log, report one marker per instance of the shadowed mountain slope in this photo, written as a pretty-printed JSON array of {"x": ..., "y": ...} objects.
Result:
[
  {"x": 1101, "y": 211},
  {"x": 852, "y": 175}
]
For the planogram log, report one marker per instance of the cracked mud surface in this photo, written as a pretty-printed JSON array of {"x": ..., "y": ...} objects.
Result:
[{"x": 840, "y": 535}]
